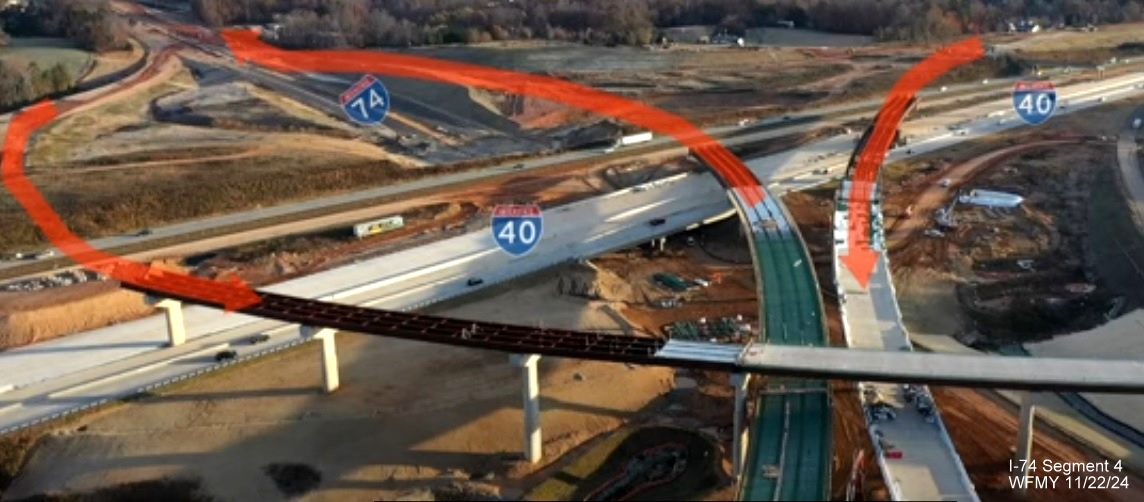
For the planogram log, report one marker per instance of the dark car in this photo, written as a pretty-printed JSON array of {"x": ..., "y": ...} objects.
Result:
[
  {"x": 476, "y": 281},
  {"x": 259, "y": 338},
  {"x": 144, "y": 232},
  {"x": 519, "y": 166},
  {"x": 657, "y": 222},
  {"x": 225, "y": 355}
]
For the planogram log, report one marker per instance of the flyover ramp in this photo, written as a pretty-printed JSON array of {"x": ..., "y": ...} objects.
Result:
[
  {"x": 928, "y": 467},
  {"x": 791, "y": 461}
]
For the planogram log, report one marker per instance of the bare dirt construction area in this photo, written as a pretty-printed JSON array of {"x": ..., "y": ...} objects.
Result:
[
  {"x": 409, "y": 417},
  {"x": 997, "y": 276}
]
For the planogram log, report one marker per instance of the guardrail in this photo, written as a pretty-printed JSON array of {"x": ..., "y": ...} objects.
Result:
[{"x": 142, "y": 389}]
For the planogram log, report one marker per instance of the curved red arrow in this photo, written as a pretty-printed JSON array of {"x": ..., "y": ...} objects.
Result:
[
  {"x": 861, "y": 259},
  {"x": 232, "y": 295},
  {"x": 246, "y": 46}
]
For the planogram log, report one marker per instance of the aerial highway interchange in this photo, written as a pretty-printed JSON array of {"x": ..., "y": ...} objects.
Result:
[
  {"x": 791, "y": 170},
  {"x": 127, "y": 358}
]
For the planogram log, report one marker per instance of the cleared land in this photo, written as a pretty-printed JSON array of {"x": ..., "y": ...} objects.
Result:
[{"x": 115, "y": 168}]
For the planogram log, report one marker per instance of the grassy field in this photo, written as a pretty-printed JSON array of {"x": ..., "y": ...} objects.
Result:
[
  {"x": 46, "y": 52},
  {"x": 58, "y": 139},
  {"x": 608, "y": 458},
  {"x": 1107, "y": 37}
]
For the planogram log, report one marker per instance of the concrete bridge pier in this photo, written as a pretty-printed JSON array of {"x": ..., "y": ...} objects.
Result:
[
  {"x": 530, "y": 392},
  {"x": 176, "y": 327},
  {"x": 330, "y": 377},
  {"x": 658, "y": 244},
  {"x": 1024, "y": 449},
  {"x": 739, "y": 381}
]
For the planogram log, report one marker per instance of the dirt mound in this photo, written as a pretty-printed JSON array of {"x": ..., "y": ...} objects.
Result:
[
  {"x": 29, "y": 317},
  {"x": 232, "y": 106},
  {"x": 529, "y": 112}
]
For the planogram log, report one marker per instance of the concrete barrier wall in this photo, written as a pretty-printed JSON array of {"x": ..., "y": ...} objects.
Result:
[{"x": 943, "y": 433}]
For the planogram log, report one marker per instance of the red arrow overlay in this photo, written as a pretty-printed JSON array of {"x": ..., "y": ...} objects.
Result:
[
  {"x": 246, "y": 46},
  {"x": 860, "y": 258},
  {"x": 232, "y": 295}
]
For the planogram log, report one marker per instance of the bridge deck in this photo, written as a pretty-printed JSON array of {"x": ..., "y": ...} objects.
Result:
[
  {"x": 789, "y": 450},
  {"x": 929, "y": 467}
]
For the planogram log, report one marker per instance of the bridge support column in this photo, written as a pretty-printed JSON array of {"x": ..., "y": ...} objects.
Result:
[
  {"x": 176, "y": 327},
  {"x": 1024, "y": 450},
  {"x": 739, "y": 435},
  {"x": 530, "y": 392},
  {"x": 662, "y": 243},
  {"x": 330, "y": 376}
]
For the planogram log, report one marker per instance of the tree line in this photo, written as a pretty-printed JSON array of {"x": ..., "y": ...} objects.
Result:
[
  {"x": 366, "y": 23},
  {"x": 23, "y": 83},
  {"x": 91, "y": 24}
]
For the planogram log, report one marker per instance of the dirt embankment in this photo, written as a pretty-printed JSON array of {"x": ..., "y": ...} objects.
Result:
[{"x": 36, "y": 316}]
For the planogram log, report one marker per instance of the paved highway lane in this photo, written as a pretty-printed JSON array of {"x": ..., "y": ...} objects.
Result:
[
  {"x": 99, "y": 383},
  {"x": 106, "y": 346},
  {"x": 456, "y": 258}
]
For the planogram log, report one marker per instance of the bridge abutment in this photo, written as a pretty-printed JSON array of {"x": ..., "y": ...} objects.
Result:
[
  {"x": 1024, "y": 450},
  {"x": 173, "y": 310},
  {"x": 739, "y": 381},
  {"x": 330, "y": 376},
  {"x": 530, "y": 392}
]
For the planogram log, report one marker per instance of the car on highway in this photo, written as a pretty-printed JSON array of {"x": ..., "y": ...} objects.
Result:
[
  {"x": 225, "y": 355},
  {"x": 519, "y": 166},
  {"x": 144, "y": 232},
  {"x": 475, "y": 281},
  {"x": 657, "y": 222},
  {"x": 259, "y": 338}
]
